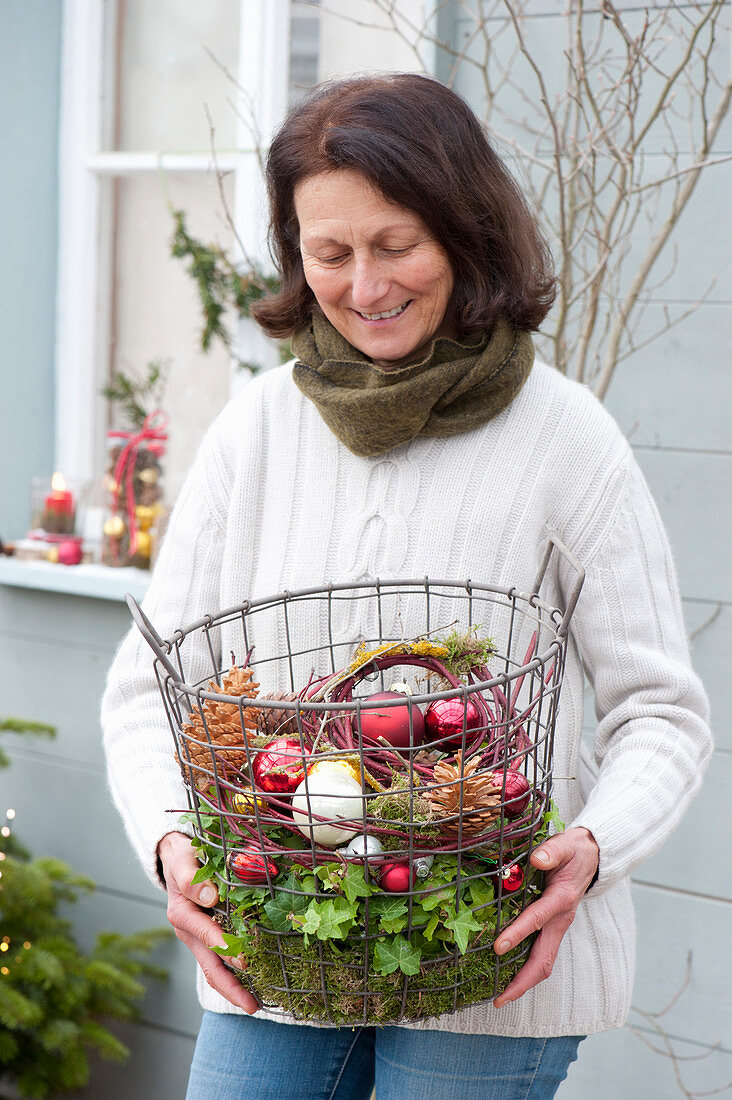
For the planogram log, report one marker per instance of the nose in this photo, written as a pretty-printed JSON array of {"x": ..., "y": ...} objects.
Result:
[{"x": 369, "y": 282}]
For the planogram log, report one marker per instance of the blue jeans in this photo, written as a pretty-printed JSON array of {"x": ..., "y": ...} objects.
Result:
[{"x": 242, "y": 1058}]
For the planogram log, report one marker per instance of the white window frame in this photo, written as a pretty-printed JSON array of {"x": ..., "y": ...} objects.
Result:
[{"x": 84, "y": 272}]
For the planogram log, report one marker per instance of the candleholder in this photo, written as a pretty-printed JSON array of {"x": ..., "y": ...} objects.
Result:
[{"x": 54, "y": 504}]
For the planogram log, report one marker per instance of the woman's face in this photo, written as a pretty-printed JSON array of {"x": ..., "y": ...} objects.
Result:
[{"x": 376, "y": 272}]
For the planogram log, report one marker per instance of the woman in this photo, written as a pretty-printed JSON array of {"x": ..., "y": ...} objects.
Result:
[{"x": 415, "y": 435}]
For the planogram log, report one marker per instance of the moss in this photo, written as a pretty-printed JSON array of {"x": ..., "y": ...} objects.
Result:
[
  {"x": 404, "y": 807},
  {"x": 294, "y": 979}
]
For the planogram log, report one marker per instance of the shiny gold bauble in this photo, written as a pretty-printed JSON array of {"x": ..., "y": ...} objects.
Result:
[
  {"x": 145, "y": 515},
  {"x": 52, "y": 554},
  {"x": 114, "y": 527},
  {"x": 245, "y": 801},
  {"x": 148, "y": 476},
  {"x": 144, "y": 544}
]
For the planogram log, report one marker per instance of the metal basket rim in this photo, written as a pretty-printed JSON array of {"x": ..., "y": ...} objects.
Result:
[{"x": 554, "y": 615}]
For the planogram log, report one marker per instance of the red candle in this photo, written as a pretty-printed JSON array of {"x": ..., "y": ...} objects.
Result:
[{"x": 60, "y": 501}]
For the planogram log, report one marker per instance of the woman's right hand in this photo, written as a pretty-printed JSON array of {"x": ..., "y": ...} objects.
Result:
[{"x": 192, "y": 925}]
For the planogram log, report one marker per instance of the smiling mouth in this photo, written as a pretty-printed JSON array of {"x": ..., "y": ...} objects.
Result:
[{"x": 386, "y": 314}]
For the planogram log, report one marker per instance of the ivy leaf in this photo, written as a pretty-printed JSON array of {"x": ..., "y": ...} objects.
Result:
[
  {"x": 461, "y": 924},
  {"x": 330, "y": 875},
  {"x": 391, "y": 911},
  {"x": 207, "y": 871},
  {"x": 289, "y": 899},
  {"x": 552, "y": 818},
  {"x": 419, "y": 916},
  {"x": 481, "y": 891},
  {"x": 336, "y": 917},
  {"x": 397, "y": 954},
  {"x": 429, "y": 931},
  {"x": 438, "y": 898},
  {"x": 354, "y": 883},
  {"x": 235, "y": 945}
]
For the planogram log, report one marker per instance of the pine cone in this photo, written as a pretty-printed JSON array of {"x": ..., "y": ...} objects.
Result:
[
  {"x": 276, "y": 721},
  {"x": 476, "y": 793},
  {"x": 222, "y": 727}
]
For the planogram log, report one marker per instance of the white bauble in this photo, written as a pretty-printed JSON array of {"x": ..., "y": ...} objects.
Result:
[
  {"x": 361, "y": 846},
  {"x": 332, "y": 793}
]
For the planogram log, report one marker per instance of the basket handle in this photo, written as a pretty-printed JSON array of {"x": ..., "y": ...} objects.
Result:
[
  {"x": 150, "y": 634},
  {"x": 555, "y": 544}
]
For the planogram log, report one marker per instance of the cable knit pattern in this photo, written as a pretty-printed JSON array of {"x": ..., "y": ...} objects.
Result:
[{"x": 273, "y": 501}]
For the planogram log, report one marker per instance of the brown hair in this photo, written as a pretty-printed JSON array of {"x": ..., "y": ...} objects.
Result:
[{"x": 421, "y": 145}]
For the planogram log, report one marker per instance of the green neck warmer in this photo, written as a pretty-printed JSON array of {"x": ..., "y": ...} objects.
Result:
[{"x": 453, "y": 388}]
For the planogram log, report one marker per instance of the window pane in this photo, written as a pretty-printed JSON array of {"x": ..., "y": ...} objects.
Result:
[
  {"x": 170, "y": 58},
  {"x": 156, "y": 312},
  {"x": 304, "y": 48}
]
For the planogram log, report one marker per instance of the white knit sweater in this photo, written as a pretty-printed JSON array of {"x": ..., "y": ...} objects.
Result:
[{"x": 273, "y": 501}]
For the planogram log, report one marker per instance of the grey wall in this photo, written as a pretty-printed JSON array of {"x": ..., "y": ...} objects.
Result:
[
  {"x": 30, "y": 35},
  {"x": 672, "y": 400}
]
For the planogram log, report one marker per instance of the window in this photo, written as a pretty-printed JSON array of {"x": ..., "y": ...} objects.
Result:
[{"x": 150, "y": 88}]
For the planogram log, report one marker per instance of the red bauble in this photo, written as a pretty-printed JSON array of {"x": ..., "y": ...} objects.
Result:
[
  {"x": 396, "y": 878},
  {"x": 279, "y": 766},
  {"x": 70, "y": 552},
  {"x": 512, "y": 878},
  {"x": 391, "y": 723},
  {"x": 251, "y": 866},
  {"x": 518, "y": 792},
  {"x": 444, "y": 719}
]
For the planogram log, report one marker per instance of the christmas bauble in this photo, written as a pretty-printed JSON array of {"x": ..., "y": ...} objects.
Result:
[
  {"x": 244, "y": 802},
  {"x": 391, "y": 723},
  {"x": 328, "y": 793},
  {"x": 396, "y": 878},
  {"x": 70, "y": 552},
  {"x": 344, "y": 766},
  {"x": 518, "y": 792},
  {"x": 279, "y": 767},
  {"x": 114, "y": 527},
  {"x": 143, "y": 545},
  {"x": 252, "y": 866},
  {"x": 512, "y": 878},
  {"x": 362, "y": 845},
  {"x": 423, "y": 865},
  {"x": 444, "y": 720}
]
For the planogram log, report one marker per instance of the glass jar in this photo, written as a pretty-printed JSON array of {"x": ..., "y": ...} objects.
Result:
[{"x": 135, "y": 494}]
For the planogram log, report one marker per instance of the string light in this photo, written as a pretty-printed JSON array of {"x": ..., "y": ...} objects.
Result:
[
  {"x": 4, "y": 947},
  {"x": 5, "y": 831},
  {"x": 10, "y": 814},
  {"x": 4, "y": 970},
  {"x": 27, "y": 945}
]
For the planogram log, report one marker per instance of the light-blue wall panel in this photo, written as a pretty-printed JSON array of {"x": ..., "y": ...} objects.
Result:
[{"x": 30, "y": 33}]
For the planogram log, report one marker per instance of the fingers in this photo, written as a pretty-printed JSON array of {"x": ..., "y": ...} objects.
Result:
[
  {"x": 217, "y": 975},
  {"x": 539, "y": 964},
  {"x": 558, "y": 900},
  {"x": 180, "y": 864},
  {"x": 570, "y": 860},
  {"x": 193, "y": 926}
]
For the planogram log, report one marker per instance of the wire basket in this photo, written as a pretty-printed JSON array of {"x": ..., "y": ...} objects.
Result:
[{"x": 370, "y": 840}]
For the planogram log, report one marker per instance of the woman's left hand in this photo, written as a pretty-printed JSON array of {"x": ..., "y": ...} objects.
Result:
[{"x": 570, "y": 860}]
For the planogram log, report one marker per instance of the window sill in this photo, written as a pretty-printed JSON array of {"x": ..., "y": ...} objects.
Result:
[{"x": 98, "y": 581}]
